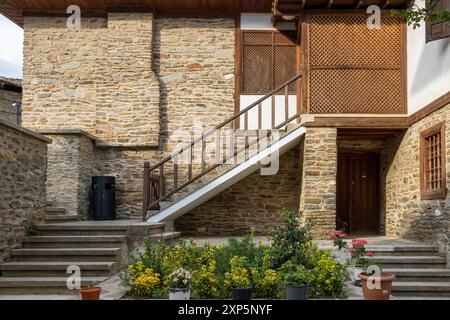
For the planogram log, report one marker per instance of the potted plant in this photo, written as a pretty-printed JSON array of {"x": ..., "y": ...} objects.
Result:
[
  {"x": 358, "y": 259},
  {"x": 91, "y": 292},
  {"x": 295, "y": 279},
  {"x": 179, "y": 283},
  {"x": 238, "y": 280},
  {"x": 338, "y": 237},
  {"x": 376, "y": 287}
]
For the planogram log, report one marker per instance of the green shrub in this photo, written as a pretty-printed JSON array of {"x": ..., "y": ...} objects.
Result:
[
  {"x": 290, "y": 241},
  {"x": 31, "y": 227},
  {"x": 295, "y": 274}
]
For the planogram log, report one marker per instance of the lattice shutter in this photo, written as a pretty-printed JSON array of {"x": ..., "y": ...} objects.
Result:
[
  {"x": 353, "y": 69},
  {"x": 268, "y": 60}
]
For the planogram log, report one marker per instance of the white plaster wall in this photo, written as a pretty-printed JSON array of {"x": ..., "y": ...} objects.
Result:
[{"x": 428, "y": 68}]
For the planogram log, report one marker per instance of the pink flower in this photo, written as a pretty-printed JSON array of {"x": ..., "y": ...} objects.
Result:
[
  {"x": 332, "y": 236},
  {"x": 338, "y": 233},
  {"x": 369, "y": 254},
  {"x": 342, "y": 236},
  {"x": 351, "y": 250}
]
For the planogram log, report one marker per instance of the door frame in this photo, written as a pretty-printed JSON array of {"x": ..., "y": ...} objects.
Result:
[{"x": 347, "y": 204}]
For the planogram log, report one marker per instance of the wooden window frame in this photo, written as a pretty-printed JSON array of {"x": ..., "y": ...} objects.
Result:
[
  {"x": 274, "y": 44},
  {"x": 442, "y": 5},
  {"x": 440, "y": 193}
]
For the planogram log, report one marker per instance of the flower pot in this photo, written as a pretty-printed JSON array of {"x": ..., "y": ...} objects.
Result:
[
  {"x": 179, "y": 294},
  {"x": 90, "y": 293},
  {"x": 296, "y": 292},
  {"x": 383, "y": 293},
  {"x": 241, "y": 293}
]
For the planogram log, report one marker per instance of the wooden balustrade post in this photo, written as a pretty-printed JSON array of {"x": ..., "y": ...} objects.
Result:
[{"x": 147, "y": 190}]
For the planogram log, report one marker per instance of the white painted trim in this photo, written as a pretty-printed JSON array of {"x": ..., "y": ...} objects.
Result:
[
  {"x": 262, "y": 21},
  {"x": 226, "y": 180}
]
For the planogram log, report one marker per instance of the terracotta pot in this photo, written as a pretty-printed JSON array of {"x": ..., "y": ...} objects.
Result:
[
  {"x": 381, "y": 293},
  {"x": 90, "y": 293}
]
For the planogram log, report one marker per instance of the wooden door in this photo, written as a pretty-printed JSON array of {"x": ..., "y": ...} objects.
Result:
[{"x": 357, "y": 193}]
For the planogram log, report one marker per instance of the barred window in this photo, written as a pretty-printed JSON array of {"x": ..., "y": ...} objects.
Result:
[
  {"x": 433, "y": 184},
  {"x": 268, "y": 59}
]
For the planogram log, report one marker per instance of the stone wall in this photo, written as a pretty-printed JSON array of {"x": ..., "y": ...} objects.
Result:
[
  {"x": 194, "y": 60},
  {"x": 318, "y": 187},
  {"x": 7, "y": 111},
  {"x": 255, "y": 202},
  {"x": 23, "y": 169},
  {"x": 71, "y": 163},
  {"x": 406, "y": 215},
  {"x": 98, "y": 78}
]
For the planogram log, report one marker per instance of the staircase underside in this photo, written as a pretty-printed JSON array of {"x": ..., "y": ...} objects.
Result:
[{"x": 227, "y": 179}]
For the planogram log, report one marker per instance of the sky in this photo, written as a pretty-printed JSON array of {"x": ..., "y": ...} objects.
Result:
[{"x": 11, "y": 49}]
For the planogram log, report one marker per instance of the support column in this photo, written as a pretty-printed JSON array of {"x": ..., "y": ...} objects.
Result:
[{"x": 318, "y": 179}]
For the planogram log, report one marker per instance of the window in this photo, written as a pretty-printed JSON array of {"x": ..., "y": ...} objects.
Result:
[
  {"x": 268, "y": 59},
  {"x": 432, "y": 158},
  {"x": 439, "y": 29}
]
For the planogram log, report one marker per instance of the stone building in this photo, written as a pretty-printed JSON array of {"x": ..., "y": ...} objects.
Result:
[
  {"x": 363, "y": 113},
  {"x": 10, "y": 99}
]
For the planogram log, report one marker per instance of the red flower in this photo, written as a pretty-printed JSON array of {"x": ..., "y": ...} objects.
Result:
[
  {"x": 332, "y": 235},
  {"x": 342, "y": 236},
  {"x": 351, "y": 250},
  {"x": 338, "y": 233},
  {"x": 369, "y": 254}
]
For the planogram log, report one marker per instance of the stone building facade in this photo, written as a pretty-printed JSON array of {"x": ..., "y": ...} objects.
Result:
[
  {"x": 10, "y": 99},
  {"x": 406, "y": 214},
  {"x": 23, "y": 172},
  {"x": 129, "y": 87}
]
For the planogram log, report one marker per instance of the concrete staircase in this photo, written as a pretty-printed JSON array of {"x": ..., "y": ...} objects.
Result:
[
  {"x": 419, "y": 268},
  {"x": 57, "y": 215},
  {"x": 99, "y": 249},
  {"x": 222, "y": 177}
]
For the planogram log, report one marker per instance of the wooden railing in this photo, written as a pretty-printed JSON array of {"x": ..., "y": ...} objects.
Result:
[{"x": 155, "y": 176}]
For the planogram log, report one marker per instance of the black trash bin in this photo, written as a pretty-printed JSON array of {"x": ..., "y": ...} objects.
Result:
[{"x": 104, "y": 198}]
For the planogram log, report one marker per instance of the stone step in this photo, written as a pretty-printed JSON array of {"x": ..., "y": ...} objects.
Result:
[
  {"x": 42, "y": 285},
  {"x": 56, "y": 218},
  {"x": 74, "y": 241},
  {"x": 74, "y": 229},
  {"x": 165, "y": 236},
  {"x": 417, "y": 275},
  {"x": 56, "y": 269},
  {"x": 403, "y": 250},
  {"x": 409, "y": 261},
  {"x": 428, "y": 289},
  {"x": 66, "y": 254}
]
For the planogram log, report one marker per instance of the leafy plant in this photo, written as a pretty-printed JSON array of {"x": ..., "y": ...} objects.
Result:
[
  {"x": 265, "y": 282},
  {"x": 290, "y": 241},
  {"x": 328, "y": 276},
  {"x": 205, "y": 283},
  {"x": 143, "y": 281},
  {"x": 31, "y": 227},
  {"x": 415, "y": 14},
  {"x": 180, "y": 278},
  {"x": 295, "y": 274},
  {"x": 238, "y": 277},
  {"x": 358, "y": 253},
  {"x": 338, "y": 239}
]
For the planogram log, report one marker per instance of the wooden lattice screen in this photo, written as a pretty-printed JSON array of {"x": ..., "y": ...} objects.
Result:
[
  {"x": 268, "y": 60},
  {"x": 351, "y": 68}
]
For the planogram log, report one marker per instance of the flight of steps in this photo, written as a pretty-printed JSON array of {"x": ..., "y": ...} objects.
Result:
[
  {"x": 57, "y": 215},
  {"x": 419, "y": 269},
  {"x": 239, "y": 142},
  {"x": 40, "y": 266}
]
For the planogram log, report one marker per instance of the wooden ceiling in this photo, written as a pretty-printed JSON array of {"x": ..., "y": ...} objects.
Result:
[{"x": 17, "y": 9}]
